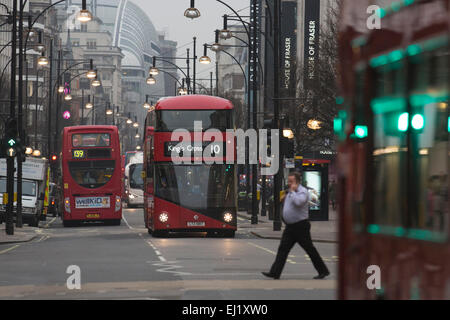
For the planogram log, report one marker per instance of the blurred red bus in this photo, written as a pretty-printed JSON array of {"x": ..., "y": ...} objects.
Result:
[
  {"x": 91, "y": 175},
  {"x": 394, "y": 153},
  {"x": 189, "y": 197}
]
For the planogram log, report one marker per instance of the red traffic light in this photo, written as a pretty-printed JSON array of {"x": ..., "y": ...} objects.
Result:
[{"x": 54, "y": 158}]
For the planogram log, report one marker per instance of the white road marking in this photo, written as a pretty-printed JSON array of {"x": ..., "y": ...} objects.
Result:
[
  {"x": 157, "y": 252},
  {"x": 124, "y": 219},
  {"x": 270, "y": 251},
  {"x": 9, "y": 249},
  {"x": 48, "y": 224},
  {"x": 170, "y": 267}
]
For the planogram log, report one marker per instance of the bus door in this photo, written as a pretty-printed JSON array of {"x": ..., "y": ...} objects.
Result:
[{"x": 167, "y": 195}]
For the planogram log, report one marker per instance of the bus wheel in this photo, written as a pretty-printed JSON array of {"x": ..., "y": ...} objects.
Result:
[
  {"x": 68, "y": 224},
  {"x": 116, "y": 222},
  {"x": 149, "y": 231},
  {"x": 229, "y": 234},
  {"x": 160, "y": 234}
]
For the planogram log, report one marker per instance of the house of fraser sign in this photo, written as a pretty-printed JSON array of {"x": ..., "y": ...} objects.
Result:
[{"x": 311, "y": 45}]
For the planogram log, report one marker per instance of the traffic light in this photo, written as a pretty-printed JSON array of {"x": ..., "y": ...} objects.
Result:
[
  {"x": 417, "y": 122},
  {"x": 54, "y": 158},
  {"x": 361, "y": 132},
  {"x": 11, "y": 141}
]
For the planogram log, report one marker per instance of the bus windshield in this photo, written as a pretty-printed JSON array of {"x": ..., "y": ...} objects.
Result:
[
  {"x": 28, "y": 187},
  {"x": 170, "y": 120},
  {"x": 196, "y": 187},
  {"x": 91, "y": 140},
  {"x": 136, "y": 181},
  {"x": 92, "y": 174}
]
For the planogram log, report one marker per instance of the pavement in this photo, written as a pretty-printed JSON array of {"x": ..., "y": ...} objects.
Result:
[
  {"x": 25, "y": 234},
  {"x": 321, "y": 231}
]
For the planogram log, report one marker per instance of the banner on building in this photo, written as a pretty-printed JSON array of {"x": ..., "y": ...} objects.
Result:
[
  {"x": 311, "y": 46},
  {"x": 289, "y": 45}
]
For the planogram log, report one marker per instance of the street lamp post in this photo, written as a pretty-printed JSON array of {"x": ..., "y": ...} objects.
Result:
[
  {"x": 188, "y": 79},
  {"x": 195, "y": 65},
  {"x": 19, "y": 222},
  {"x": 10, "y": 160},
  {"x": 276, "y": 95},
  {"x": 254, "y": 58}
]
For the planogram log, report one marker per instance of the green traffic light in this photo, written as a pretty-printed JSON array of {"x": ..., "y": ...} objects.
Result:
[
  {"x": 418, "y": 122},
  {"x": 12, "y": 143},
  {"x": 403, "y": 122},
  {"x": 361, "y": 132}
]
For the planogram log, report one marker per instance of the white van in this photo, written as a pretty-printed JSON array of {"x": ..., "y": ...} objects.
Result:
[
  {"x": 134, "y": 183},
  {"x": 34, "y": 182}
]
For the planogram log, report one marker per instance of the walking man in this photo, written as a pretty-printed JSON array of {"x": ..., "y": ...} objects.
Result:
[{"x": 298, "y": 229}]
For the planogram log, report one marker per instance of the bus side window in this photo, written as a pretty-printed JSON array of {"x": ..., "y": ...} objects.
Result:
[
  {"x": 430, "y": 141},
  {"x": 390, "y": 146}
]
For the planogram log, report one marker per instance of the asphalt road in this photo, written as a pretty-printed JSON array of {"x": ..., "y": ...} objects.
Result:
[{"x": 124, "y": 262}]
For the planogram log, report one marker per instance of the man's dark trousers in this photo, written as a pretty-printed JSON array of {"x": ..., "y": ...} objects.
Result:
[{"x": 300, "y": 233}]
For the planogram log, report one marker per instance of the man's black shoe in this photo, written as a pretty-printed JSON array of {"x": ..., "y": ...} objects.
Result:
[
  {"x": 322, "y": 275},
  {"x": 269, "y": 275}
]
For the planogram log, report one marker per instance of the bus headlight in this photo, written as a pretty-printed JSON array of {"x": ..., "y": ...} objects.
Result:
[
  {"x": 228, "y": 217},
  {"x": 118, "y": 203},
  {"x": 67, "y": 204},
  {"x": 163, "y": 217}
]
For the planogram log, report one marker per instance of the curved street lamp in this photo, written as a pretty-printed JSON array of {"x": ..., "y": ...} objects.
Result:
[
  {"x": 205, "y": 59},
  {"x": 151, "y": 80},
  {"x": 42, "y": 60},
  {"x": 225, "y": 34},
  {"x": 96, "y": 82},
  {"x": 192, "y": 12},
  {"x": 314, "y": 124},
  {"x": 84, "y": 15},
  {"x": 91, "y": 74},
  {"x": 146, "y": 104},
  {"x": 154, "y": 70},
  {"x": 288, "y": 133},
  {"x": 29, "y": 151},
  {"x": 216, "y": 47}
]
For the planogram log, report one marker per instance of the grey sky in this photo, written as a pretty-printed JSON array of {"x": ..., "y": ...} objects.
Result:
[{"x": 167, "y": 15}]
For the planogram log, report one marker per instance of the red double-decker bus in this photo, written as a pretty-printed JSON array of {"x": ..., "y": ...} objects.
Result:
[
  {"x": 394, "y": 158},
  {"x": 91, "y": 175},
  {"x": 197, "y": 195}
]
